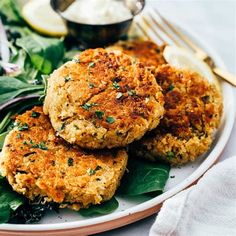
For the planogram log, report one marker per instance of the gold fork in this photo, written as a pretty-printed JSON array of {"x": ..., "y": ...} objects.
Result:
[{"x": 168, "y": 32}]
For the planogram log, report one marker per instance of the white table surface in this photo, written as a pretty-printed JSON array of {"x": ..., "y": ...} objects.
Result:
[{"x": 215, "y": 22}]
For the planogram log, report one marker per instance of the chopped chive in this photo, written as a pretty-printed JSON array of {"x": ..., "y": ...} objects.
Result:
[
  {"x": 170, "y": 155},
  {"x": 110, "y": 119},
  {"x": 76, "y": 127},
  {"x": 40, "y": 145},
  {"x": 68, "y": 78},
  {"x": 115, "y": 85},
  {"x": 25, "y": 143},
  {"x": 98, "y": 168},
  {"x": 91, "y": 85},
  {"x": 99, "y": 114},
  {"x": 132, "y": 92},
  {"x": 76, "y": 60},
  {"x": 22, "y": 127},
  {"x": 35, "y": 114},
  {"x": 86, "y": 106},
  {"x": 18, "y": 135},
  {"x": 70, "y": 161},
  {"x": 171, "y": 87},
  {"x": 119, "y": 95},
  {"x": 63, "y": 126},
  {"x": 91, "y": 172},
  {"x": 91, "y": 64}
]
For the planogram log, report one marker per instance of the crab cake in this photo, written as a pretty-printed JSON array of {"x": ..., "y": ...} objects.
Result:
[
  {"x": 193, "y": 111},
  {"x": 103, "y": 99},
  {"x": 150, "y": 54},
  {"x": 38, "y": 164}
]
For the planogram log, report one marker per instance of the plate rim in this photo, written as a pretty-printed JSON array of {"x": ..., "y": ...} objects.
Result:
[{"x": 157, "y": 201}]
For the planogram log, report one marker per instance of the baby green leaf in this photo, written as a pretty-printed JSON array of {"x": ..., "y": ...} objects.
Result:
[
  {"x": 144, "y": 177},
  {"x": 45, "y": 53}
]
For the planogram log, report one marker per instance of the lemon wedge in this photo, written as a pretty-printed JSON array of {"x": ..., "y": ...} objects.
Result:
[
  {"x": 41, "y": 17},
  {"x": 183, "y": 59}
]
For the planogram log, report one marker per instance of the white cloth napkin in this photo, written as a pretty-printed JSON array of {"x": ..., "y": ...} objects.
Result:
[{"x": 206, "y": 209}]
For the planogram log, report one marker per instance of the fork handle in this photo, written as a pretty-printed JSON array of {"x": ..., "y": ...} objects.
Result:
[{"x": 225, "y": 75}]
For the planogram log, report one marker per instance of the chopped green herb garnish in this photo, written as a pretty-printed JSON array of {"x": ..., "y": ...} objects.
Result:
[
  {"x": 68, "y": 78},
  {"x": 91, "y": 85},
  {"x": 76, "y": 60},
  {"x": 98, "y": 168},
  {"x": 25, "y": 143},
  {"x": 99, "y": 114},
  {"x": 110, "y": 119},
  {"x": 91, "y": 172},
  {"x": 119, "y": 95},
  {"x": 22, "y": 127},
  {"x": 76, "y": 127},
  {"x": 132, "y": 92},
  {"x": 40, "y": 145},
  {"x": 91, "y": 64},
  {"x": 86, "y": 106},
  {"x": 70, "y": 161},
  {"x": 63, "y": 126},
  {"x": 170, "y": 155},
  {"x": 35, "y": 114},
  {"x": 18, "y": 135},
  {"x": 115, "y": 85},
  {"x": 171, "y": 87}
]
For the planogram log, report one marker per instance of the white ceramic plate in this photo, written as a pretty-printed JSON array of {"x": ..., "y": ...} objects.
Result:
[{"x": 130, "y": 210}]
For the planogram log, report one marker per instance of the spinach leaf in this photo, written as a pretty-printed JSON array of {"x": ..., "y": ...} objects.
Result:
[
  {"x": 28, "y": 72},
  {"x": 9, "y": 201},
  {"x": 5, "y": 213},
  {"x": 11, "y": 87},
  {"x": 45, "y": 53},
  {"x": 144, "y": 177},
  {"x": 102, "y": 209}
]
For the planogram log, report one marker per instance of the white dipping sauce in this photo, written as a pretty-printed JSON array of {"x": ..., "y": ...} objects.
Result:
[{"x": 97, "y": 12}]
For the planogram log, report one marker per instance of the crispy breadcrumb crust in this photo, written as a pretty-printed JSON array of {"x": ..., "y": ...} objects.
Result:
[
  {"x": 193, "y": 109},
  {"x": 103, "y": 99},
  {"x": 149, "y": 53},
  {"x": 38, "y": 164}
]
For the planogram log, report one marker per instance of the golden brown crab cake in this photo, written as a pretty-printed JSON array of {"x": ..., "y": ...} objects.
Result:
[
  {"x": 193, "y": 112},
  {"x": 103, "y": 99},
  {"x": 149, "y": 53},
  {"x": 39, "y": 164}
]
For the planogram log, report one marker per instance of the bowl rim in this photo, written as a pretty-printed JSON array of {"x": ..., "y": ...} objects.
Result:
[{"x": 97, "y": 25}]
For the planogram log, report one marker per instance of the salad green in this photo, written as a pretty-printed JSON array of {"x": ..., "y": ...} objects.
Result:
[{"x": 9, "y": 201}]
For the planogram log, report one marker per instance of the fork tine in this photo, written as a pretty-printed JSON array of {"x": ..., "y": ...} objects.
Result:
[
  {"x": 184, "y": 38},
  {"x": 142, "y": 30},
  {"x": 155, "y": 21},
  {"x": 153, "y": 29}
]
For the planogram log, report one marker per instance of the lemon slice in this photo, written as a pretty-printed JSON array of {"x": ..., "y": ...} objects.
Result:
[
  {"x": 183, "y": 59},
  {"x": 41, "y": 17}
]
